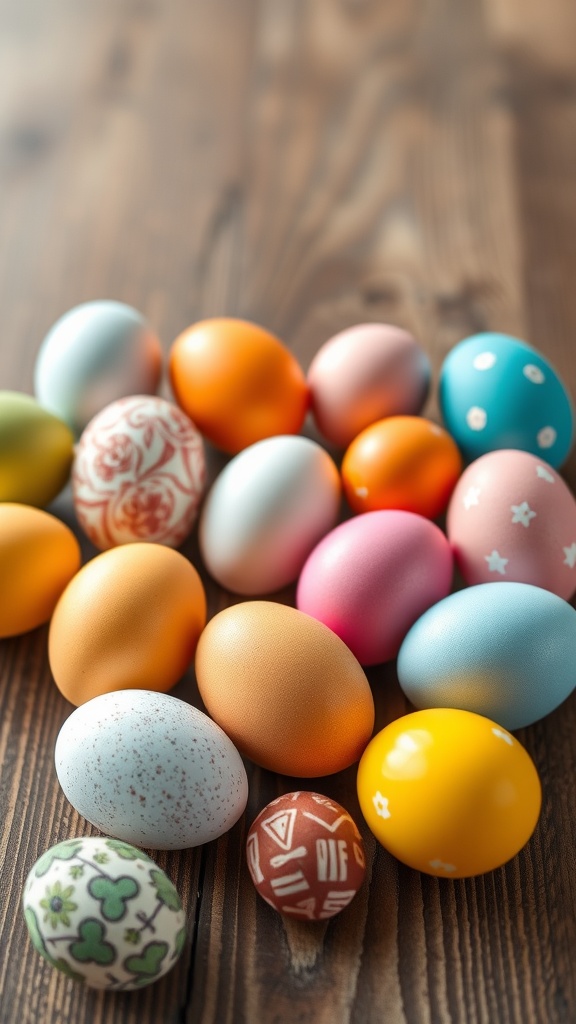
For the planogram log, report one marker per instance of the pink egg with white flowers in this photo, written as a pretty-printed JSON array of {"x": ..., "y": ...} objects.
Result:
[
  {"x": 512, "y": 517},
  {"x": 372, "y": 577}
]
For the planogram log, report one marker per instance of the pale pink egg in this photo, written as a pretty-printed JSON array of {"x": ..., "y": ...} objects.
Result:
[
  {"x": 512, "y": 517},
  {"x": 372, "y": 577},
  {"x": 364, "y": 374}
]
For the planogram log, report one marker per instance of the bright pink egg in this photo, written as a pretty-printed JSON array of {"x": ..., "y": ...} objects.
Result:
[
  {"x": 372, "y": 577},
  {"x": 512, "y": 517}
]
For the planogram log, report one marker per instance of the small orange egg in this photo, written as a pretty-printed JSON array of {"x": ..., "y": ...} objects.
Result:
[
  {"x": 130, "y": 619},
  {"x": 38, "y": 557},
  {"x": 237, "y": 382},
  {"x": 403, "y": 462}
]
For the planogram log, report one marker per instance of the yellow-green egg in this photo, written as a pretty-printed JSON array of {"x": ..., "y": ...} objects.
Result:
[{"x": 36, "y": 450}]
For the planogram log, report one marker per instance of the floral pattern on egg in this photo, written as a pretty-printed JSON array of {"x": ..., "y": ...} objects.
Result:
[
  {"x": 139, "y": 473},
  {"x": 104, "y": 914}
]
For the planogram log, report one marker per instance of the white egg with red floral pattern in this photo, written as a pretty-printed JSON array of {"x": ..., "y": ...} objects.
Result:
[{"x": 104, "y": 913}]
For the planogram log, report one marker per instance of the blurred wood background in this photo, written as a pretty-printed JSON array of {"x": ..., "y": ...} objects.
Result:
[{"x": 308, "y": 164}]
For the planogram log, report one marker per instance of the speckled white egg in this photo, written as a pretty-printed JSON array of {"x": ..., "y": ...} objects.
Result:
[
  {"x": 104, "y": 913},
  {"x": 512, "y": 517},
  {"x": 150, "y": 769},
  {"x": 266, "y": 511},
  {"x": 139, "y": 473},
  {"x": 95, "y": 353}
]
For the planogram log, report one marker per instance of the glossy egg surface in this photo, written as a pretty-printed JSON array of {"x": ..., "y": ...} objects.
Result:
[{"x": 36, "y": 451}]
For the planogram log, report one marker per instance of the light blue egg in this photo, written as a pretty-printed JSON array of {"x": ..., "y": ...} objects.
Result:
[
  {"x": 503, "y": 650},
  {"x": 498, "y": 392}
]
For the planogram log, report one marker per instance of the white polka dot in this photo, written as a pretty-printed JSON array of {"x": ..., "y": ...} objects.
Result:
[
  {"x": 533, "y": 373},
  {"x": 476, "y": 418},
  {"x": 484, "y": 361},
  {"x": 546, "y": 437}
]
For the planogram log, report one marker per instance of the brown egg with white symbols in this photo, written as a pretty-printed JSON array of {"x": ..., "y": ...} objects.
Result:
[{"x": 306, "y": 856}]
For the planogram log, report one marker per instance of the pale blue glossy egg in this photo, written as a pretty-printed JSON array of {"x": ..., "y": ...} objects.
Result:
[
  {"x": 503, "y": 650},
  {"x": 498, "y": 392}
]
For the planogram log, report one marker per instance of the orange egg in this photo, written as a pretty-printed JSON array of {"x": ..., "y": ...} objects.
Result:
[
  {"x": 38, "y": 557},
  {"x": 286, "y": 690},
  {"x": 237, "y": 382},
  {"x": 130, "y": 619},
  {"x": 403, "y": 462}
]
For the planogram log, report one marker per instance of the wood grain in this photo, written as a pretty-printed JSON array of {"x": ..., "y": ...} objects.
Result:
[{"x": 309, "y": 164}]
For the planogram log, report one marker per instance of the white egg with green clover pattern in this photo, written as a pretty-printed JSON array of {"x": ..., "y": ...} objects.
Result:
[{"x": 104, "y": 913}]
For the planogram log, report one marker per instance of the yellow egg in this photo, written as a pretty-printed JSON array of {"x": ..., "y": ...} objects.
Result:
[
  {"x": 130, "y": 619},
  {"x": 36, "y": 451},
  {"x": 38, "y": 557}
]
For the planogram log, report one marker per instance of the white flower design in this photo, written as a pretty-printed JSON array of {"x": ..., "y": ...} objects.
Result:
[{"x": 546, "y": 437}]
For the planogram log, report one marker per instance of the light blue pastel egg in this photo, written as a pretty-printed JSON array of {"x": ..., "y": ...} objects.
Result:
[
  {"x": 498, "y": 392},
  {"x": 503, "y": 650}
]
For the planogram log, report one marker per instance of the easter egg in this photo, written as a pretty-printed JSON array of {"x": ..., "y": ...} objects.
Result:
[
  {"x": 39, "y": 555},
  {"x": 104, "y": 914},
  {"x": 448, "y": 792},
  {"x": 150, "y": 769},
  {"x": 512, "y": 517},
  {"x": 504, "y": 650},
  {"x": 139, "y": 473},
  {"x": 498, "y": 392},
  {"x": 363, "y": 374},
  {"x": 265, "y": 512},
  {"x": 130, "y": 619},
  {"x": 286, "y": 689},
  {"x": 237, "y": 382},
  {"x": 403, "y": 462},
  {"x": 372, "y": 577},
  {"x": 306, "y": 856},
  {"x": 95, "y": 353},
  {"x": 36, "y": 451}
]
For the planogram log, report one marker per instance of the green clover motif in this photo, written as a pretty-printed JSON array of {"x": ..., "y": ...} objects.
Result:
[
  {"x": 92, "y": 946},
  {"x": 147, "y": 964},
  {"x": 179, "y": 943},
  {"x": 58, "y": 905},
  {"x": 76, "y": 871},
  {"x": 132, "y": 935},
  {"x": 63, "y": 851},
  {"x": 126, "y": 851},
  {"x": 165, "y": 891},
  {"x": 101, "y": 858},
  {"x": 113, "y": 895},
  {"x": 38, "y": 943}
]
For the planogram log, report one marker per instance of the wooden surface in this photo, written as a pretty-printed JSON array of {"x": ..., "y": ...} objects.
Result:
[{"x": 308, "y": 164}]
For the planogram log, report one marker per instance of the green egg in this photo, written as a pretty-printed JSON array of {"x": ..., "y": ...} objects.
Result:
[{"x": 36, "y": 451}]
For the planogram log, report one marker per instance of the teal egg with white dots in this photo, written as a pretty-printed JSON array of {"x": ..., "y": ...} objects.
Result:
[
  {"x": 104, "y": 913},
  {"x": 498, "y": 392}
]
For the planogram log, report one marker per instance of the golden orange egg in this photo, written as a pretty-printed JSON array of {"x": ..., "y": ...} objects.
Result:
[
  {"x": 130, "y": 619},
  {"x": 287, "y": 691},
  {"x": 403, "y": 462},
  {"x": 237, "y": 382},
  {"x": 38, "y": 557}
]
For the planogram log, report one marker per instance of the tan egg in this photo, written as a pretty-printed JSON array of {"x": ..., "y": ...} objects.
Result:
[
  {"x": 287, "y": 691},
  {"x": 38, "y": 557},
  {"x": 129, "y": 620}
]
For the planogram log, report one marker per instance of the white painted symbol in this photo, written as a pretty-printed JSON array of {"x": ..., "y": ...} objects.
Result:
[
  {"x": 304, "y": 907},
  {"x": 323, "y": 801},
  {"x": 522, "y": 513},
  {"x": 253, "y": 857},
  {"x": 362, "y": 492},
  {"x": 359, "y": 855},
  {"x": 280, "y": 859},
  {"x": 501, "y": 735},
  {"x": 484, "y": 361},
  {"x": 544, "y": 474},
  {"x": 381, "y": 805},
  {"x": 288, "y": 884},
  {"x": 439, "y": 865},
  {"x": 570, "y": 559},
  {"x": 533, "y": 373},
  {"x": 332, "y": 860},
  {"x": 546, "y": 437},
  {"x": 476, "y": 418},
  {"x": 471, "y": 497},
  {"x": 336, "y": 901},
  {"x": 496, "y": 563},
  {"x": 280, "y": 827},
  {"x": 325, "y": 824}
]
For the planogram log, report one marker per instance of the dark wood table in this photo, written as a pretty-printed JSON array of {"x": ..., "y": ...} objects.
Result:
[{"x": 308, "y": 164}]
